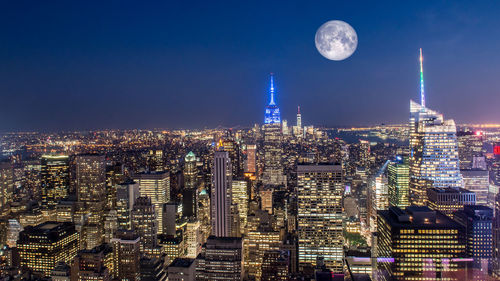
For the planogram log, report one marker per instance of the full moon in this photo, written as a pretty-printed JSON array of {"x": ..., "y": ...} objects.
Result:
[{"x": 336, "y": 40}]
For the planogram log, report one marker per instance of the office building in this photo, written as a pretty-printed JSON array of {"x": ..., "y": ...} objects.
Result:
[
  {"x": 190, "y": 190},
  {"x": 94, "y": 264},
  {"x": 449, "y": 200},
  {"x": 256, "y": 243},
  {"x": 152, "y": 269},
  {"x": 470, "y": 145},
  {"x": 6, "y": 183},
  {"x": 156, "y": 186},
  {"x": 378, "y": 195},
  {"x": 240, "y": 197},
  {"x": 478, "y": 223},
  {"x": 418, "y": 244},
  {"x": 221, "y": 194},
  {"x": 144, "y": 224},
  {"x": 398, "y": 181},
  {"x": 221, "y": 259},
  {"x": 275, "y": 266},
  {"x": 477, "y": 181},
  {"x": 126, "y": 194},
  {"x": 54, "y": 179},
  {"x": 126, "y": 256},
  {"x": 182, "y": 269},
  {"x": 91, "y": 178},
  {"x": 433, "y": 150},
  {"x": 43, "y": 246},
  {"x": 319, "y": 194},
  {"x": 251, "y": 159}
]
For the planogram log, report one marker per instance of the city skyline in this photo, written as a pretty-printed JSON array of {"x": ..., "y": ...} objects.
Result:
[{"x": 167, "y": 70}]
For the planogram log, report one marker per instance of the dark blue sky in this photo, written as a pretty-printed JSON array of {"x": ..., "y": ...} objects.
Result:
[{"x": 136, "y": 64}]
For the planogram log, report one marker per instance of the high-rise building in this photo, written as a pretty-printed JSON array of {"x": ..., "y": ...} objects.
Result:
[
  {"x": 257, "y": 242},
  {"x": 193, "y": 238},
  {"x": 477, "y": 181},
  {"x": 433, "y": 149},
  {"x": 379, "y": 195},
  {"x": 233, "y": 149},
  {"x": 478, "y": 223},
  {"x": 41, "y": 247},
  {"x": 398, "y": 180},
  {"x": 449, "y": 200},
  {"x": 190, "y": 190},
  {"x": 251, "y": 159},
  {"x": 470, "y": 145},
  {"x": 13, "y": 230},
  {"x": 6, "y": 183},
  {"x": 418, "y": 244},
  {"x": 273, "y": 169},
  {"x": 272, "y": 115},
  {"x": 275, "y": 266},
  {"x": 240, "y": 197},
  {"x": 145, "y": 224},
  {"x": 91, "y": 178},
  {"x": 190, "y": 171},
  {"x": 126, "y": 194},
  {"x": 299, "y": 118},
  {"x": 126, "y": 256},
  {"x": 221, "y": 194},
  {"x": 221, "y": 259},
  {"x": 319, "y": 193},
  {"x": 94, "y": 264},
  {"x": 156, "y": 186},
  {"x": 496, "y": 238},
  {"x": 54, "y": 179}
]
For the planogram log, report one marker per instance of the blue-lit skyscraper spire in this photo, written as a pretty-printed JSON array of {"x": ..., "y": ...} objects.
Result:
[{"x": 272, "y": 115}]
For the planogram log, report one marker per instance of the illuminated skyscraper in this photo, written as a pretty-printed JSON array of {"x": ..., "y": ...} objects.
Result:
[
  {"x": 93, "y": 265},
  {"x": 221, "y": 195},
  {"x": 6, "y": 183},
  {"x": 273, "y": 155},
  {"x": 478, "y": 223},
  {"x": 220, "y": 259},
  {"x": 91, "y": 178},
  {"x": 126, "y": 256},
  {"x": 398, "y": 182},
  {"x": 470, "y": 145},
  {"x": 477, "y": 181},
  {"x": 299, "y": 118},
  {"x": 272, "y": 115},
  {"x": 41, "y": 247},
  {"x": 319, "y": 194},
  {"x": 126, "y": 194},
  {"x": 54, "y": 179},
  {"x": 156, "y": 186},
  {"x": 144, "y": 223},
  {"x": 251, "y": 160},
  {"x": 190, "y": 171},
  {"x": 379, "y": 195},
  {"x": 240, "y": 197},
  {"x": 433, "y": 150}
]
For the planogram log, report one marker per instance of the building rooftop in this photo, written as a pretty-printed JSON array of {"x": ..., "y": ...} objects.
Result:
[
  {"x": 417, "y": 217},
  {"x": 182, "y": 262}
]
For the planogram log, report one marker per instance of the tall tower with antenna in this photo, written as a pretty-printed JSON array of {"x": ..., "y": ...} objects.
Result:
[
  {"x": 272, "y": 115},
  {"x": 299, "y": 118},
  {"x": 422, "y": 93}
]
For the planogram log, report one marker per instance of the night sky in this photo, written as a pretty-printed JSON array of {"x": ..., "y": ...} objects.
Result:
[{"x": 185, "y": 64}]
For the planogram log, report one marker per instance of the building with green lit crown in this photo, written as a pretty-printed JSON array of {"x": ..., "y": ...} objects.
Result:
[{"x": 398, "y": 182}]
